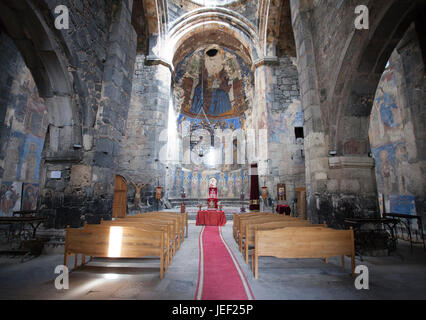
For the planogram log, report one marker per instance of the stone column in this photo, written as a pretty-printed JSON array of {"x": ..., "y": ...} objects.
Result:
[
  {"x": 316, "y": 158},
  {"x": 146, "y": 134},
  {"x": 337, "y": 186},
  {"x": 263, "y": 78},
  {"x": 86, "y": 187}
]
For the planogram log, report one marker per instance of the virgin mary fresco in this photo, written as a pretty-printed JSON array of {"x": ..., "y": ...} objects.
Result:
[{"x": 213, "y": 83}]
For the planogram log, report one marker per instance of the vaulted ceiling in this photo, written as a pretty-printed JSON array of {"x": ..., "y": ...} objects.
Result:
[{"x": 256, "y": 29}]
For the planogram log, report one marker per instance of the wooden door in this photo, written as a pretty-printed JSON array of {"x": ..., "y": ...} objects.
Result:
[
  {"x": 119, "y": 206},
  {"x": 301, "y": 203}
]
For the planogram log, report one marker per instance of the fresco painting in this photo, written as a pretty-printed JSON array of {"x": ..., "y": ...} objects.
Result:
[
  {"x": 405, "y": 204},
  {"x": 386, "y": 99},
  {"x": 26, "y": 150},
  {"x": 388, "y": 143},
  {"x": 230, "y": 184},
  {"x": 10, "y": 197},
  {"x": 386, "y": 118},
  {"x": 30, "y": 194},
  {"x": 386, "y": 166},
  {"x": 282, "y": 127},
  {"x": 212, "y": 81}
]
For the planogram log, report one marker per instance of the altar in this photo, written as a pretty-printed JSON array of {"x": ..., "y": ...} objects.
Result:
[{"x": 212, "y": 216}]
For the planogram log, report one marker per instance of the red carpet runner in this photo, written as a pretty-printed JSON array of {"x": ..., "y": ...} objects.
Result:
[{"x": 219, "y": 276}]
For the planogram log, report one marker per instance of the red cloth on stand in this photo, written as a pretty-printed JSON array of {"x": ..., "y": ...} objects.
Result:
[
  {"x": 211, "y": 218},
  {"x": 254, "y": 189},
  {"x": 284, "y": 209}
]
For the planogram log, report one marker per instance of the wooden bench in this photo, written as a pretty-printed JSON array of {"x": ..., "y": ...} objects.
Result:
[
  {"x": 182, "y": 216},
  {"x": 238, "y": 216},
  {"x": 259, "y": 219},
  {"x": 166, "y": 216},
  {"x": 180, "y": 219},
  {"x": 100, "y": 241},
  {"x": 251, "y": 228},
  {"x": 302, "y": 242},
  {"x": 174, "y": 233},
  {"x": 146, "y": 225},
  {"x": 236, "y": 222},
  {"x": 175, "y": 221}
]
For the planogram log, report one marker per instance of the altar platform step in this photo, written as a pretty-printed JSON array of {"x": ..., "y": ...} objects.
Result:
[
  {"x": 229, "y": 212},
  {"x": 233, "y": 203}
]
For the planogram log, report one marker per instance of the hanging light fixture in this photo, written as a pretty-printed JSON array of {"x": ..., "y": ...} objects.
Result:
[{"x": 200, "y": 147}]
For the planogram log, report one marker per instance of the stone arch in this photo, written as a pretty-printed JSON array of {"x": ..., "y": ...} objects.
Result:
[
  {"x": 37, "y": 44},
  {"x": 214, "y": 26},
  {"x": 269, "y": 13},
  {"x": 360, "y": 70}
]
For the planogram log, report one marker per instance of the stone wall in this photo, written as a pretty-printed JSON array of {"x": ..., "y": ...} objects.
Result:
[
  {"x": 397, "y": 120},
  {"x": 23, "y": 128},
  {"x": 146, "y": 131},
  {"x": 287, "y": 164},
  {"x": 100, "y": 49},
  {"x": 339, "y": 70}
]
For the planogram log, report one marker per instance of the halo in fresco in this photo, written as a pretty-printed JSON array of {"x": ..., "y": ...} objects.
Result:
[{"x": 213, "y": 79}]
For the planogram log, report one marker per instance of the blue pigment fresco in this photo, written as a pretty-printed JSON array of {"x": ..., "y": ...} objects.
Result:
[
  {"x": 210, "y": 91},
  {"x": 25, "y": 142},
  {"x": 402, "y": 204}
]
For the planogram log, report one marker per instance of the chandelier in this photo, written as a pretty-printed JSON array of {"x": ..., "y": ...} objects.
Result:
[{"x": 201, "y": 148}]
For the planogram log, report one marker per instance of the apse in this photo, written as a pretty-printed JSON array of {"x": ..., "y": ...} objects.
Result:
[{"x": 212, "y": 98}]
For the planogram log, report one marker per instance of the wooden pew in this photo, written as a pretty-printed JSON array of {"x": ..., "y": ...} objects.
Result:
[
  {"x": 267, "y": 218},
  {"x": 251, "y": 227},
  {"x": 238, "y": 216},
  {"x": 174, "y": 231},
  {"x": 169, "y": 216},
  {"x": 182, "y": 216},
  {"x": 177, "y": 221},
  {"x": 302, "y": 242},
  {"x": 146, "y": 225},
  {"x": 95, "y": 241},
  {"x": 236, "y": 223}
]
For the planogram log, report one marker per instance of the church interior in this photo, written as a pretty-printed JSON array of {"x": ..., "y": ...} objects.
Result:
[{"x": 212, "y": 149}]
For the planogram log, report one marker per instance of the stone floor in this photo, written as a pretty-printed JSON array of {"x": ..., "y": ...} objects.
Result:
[{"x": 279, "y": 279}]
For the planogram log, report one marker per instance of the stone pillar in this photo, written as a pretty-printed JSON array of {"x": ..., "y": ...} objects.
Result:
[
  {"x": 337, "y": 187},
  {"x": 146, "y": 135},
  {"x": 316, "y": 149},
  {"x": 85, "y": 189},
  {"x": 261, "y": 112}
]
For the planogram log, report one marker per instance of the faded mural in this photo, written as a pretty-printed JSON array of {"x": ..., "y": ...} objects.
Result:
[
  {"x": 389, "y": 145},
  {"x": 213, "y": 89},
  {"x": 10, "y": 198},
  {"x": 213, "y": 81},
  {"x": 25, "y": 126},
  {"x": 195, "y": 184}
]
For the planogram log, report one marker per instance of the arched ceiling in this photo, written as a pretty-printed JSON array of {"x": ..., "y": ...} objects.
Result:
[
  {"x": 254, "y": 29},
  {"x": 209, "y": 35}
]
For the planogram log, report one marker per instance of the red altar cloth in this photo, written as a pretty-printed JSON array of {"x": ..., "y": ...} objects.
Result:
[
  {"x": 211, "y": 218},
  {"x": 284, "y": 209}
]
